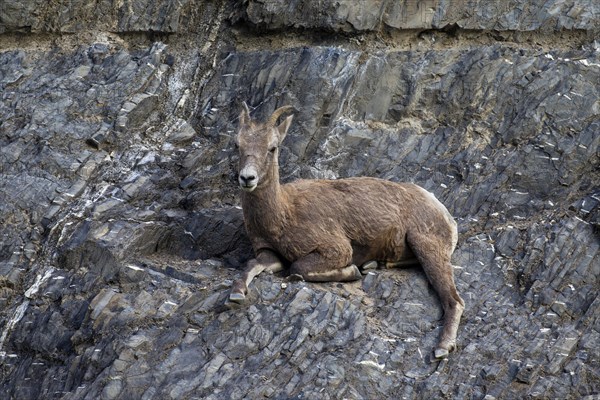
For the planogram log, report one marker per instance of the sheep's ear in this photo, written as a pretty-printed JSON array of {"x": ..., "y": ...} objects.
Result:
[
  {"x": 283, "y": 127},
  {"x": 245, "y": 114}
]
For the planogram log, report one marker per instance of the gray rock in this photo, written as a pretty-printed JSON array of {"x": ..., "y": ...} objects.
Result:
[
  {"x": 366, "y": 15},
  {"x": 122, "y": 232}
]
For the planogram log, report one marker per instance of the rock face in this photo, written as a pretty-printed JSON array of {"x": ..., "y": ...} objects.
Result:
[{"x": 120, "y": 222}]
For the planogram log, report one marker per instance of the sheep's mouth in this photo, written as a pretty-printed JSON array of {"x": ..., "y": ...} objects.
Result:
[{"x": 247, "y": 188}]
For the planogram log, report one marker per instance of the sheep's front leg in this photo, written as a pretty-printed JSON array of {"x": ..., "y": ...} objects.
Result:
[
  {"x": 316, "y": 268},
  {"x": 265, "y": 261}
]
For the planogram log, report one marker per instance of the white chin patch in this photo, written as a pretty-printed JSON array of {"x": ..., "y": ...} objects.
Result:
[{"x": 248, "y": 188}]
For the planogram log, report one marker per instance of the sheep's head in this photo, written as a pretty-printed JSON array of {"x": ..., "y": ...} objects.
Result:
[{"x": 258, "y": 144}]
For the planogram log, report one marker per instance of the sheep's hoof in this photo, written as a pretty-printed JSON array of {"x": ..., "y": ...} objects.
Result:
[
  {"x": 295, "y": 278},
  {"x": 368, "y": 266},
  {"x": 440, "y": 353},
  {"x": 237, "y": 297},
  {"x": 356, "y": 274}
]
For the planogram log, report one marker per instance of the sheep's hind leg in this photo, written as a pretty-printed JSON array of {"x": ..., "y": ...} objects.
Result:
[
  {"x": 265, "y": 261},
  {"x": 316, "y": 268},
  {"x": 434, "y": 257},
  {"x": 403, "y": 263}
]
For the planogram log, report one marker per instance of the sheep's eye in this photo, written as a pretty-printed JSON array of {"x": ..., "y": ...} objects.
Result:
[{"x": 272, "y": 149}]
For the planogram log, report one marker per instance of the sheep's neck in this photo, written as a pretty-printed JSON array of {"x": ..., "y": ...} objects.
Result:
[{"x": 265, "y": 208}]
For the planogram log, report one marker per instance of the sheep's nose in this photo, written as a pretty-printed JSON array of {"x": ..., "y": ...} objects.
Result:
[{"x": 248, "y": 179}]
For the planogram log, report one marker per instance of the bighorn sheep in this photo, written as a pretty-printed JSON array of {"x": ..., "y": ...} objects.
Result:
[{"x": 325, "y": 228}]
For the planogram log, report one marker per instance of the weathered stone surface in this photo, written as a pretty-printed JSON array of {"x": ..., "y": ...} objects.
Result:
[
  {"x": 121, "y": 227},
  {"x": 370, "y": 15},
  {"x": 116, "y": 16}
]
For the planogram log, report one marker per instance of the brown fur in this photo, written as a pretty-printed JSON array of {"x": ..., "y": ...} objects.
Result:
[{"x": 324, "y": 228}]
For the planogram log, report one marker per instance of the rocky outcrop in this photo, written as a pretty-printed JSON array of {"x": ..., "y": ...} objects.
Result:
[
  {"x": 121, "y": 227},
  {"x": 372, "y": 15}
]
